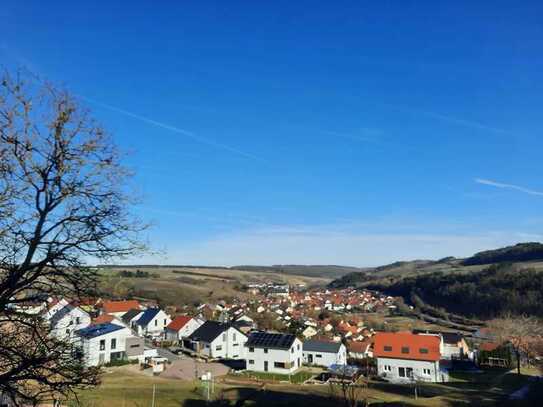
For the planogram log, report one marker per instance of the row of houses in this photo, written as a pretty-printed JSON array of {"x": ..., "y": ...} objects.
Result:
[{"x": 119, "y": 329}]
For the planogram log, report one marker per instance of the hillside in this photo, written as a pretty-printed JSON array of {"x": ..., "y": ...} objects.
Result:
[
  {"x": 325, "y": 271},
  {"x": 521, "y": 252},
  {"x": 317, "y": 271},
  {"x": 488, "y": 293}
]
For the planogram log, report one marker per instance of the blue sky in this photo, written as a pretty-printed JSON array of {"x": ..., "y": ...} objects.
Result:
[{"x": 309, "y": 132}]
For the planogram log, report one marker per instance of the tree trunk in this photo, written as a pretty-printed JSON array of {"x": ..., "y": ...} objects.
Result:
[{"x": 517, "y": 354}]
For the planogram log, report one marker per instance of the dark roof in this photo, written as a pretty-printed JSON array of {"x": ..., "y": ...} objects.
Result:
[
  {"x": 210, "y": 330},
  {"x": 321, "y": 346},
  {"x": 130, "y": 314},
  {"x": 269, "y": 340},
  {"x": 147, "y": 316},
  {"x": 94, "y": 331}
]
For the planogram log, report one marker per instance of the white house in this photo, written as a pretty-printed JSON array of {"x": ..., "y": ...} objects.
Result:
[
  {"x": 152, "y": 322},
  {"x": 219, "y": 340},
  {"x": 182, "y": 327},
  {"x": 323, "y": 353},
  {"x": 273, "y": 352},
  {"x": 65, "y": 318},
  {"x": 104, "y": 343},
  {"x": 407, "y": 357}
]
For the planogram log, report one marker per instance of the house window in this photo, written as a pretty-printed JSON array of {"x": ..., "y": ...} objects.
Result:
[
  {"x": 102, "y": 344},
  {"x": 426, "y": 372},
  {"x": 265, "y": 350},
  {"x": 405, "y": 349},
  {"x": 387, "y": 348},
  {"x": 156, "y": 322},
  {"x": 251, "y": 350},
  {"x": 318, "y": 356},
  {"x": 387, "y": 368},
  {"x": 218, "y": 347},
  {"x": 251, "y": 362},
  {"x": 292, "y": 350},
  {"x": 113, "y": 343},
  {"x": 136, "y": 345},
  {"x": 279, "y": 365},
  {"x": 164, "y": 322},
  {"x": 401, "y": 371},
  {"x": 67, "y": 332},
  {"x": 224, "y": 337},
  {"x": 423, "y": 350},
  {"x": 236, "y": 344},
  {"x": 298, "y": 346},
  {"x": 77, "y": 320}
]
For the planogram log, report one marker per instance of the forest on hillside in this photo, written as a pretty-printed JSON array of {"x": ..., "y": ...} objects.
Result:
[{"x": 496, "y": 290}]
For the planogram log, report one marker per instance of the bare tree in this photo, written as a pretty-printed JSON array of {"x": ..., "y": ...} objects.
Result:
[
  {"x": 522, "y": 333},
  {"x": 63, "y": 201},
  {"x": 350, "y": 393}
]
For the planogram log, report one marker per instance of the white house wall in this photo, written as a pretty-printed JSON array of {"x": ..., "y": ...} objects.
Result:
[
  {"x": 327, "y": 359},
  {"x": 229, "y": 345},
  {"x": 417, "y": 365},
  {"x": 293, "y": 356},
  {"x": 91, "y": 347}
]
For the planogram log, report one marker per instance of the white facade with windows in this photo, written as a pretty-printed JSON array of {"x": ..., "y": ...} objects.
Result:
[
  {"x": 65, "y": 319},
  {"x": 154, "y": 326},
  {"x": 324, "y": 354},
  {"x": 229, "y": 345},
  {"x": 403, "y": 370},
  {"x": 99, "y": 349},
  {"x": 273, "y": 360},
  {"x": 218, "y": 340}
]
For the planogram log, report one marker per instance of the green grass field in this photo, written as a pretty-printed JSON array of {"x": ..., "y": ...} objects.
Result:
[{"x": 125, "y": 387}]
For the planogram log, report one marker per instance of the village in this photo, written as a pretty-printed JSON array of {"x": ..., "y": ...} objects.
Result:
[{"x": 281, "y": 334}]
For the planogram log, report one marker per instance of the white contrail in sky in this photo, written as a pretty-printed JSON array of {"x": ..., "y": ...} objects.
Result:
[
  {"x": 507, "y": 186},
  {"x": 178, "y": 130},
  {"x": 450, "y": 119}
]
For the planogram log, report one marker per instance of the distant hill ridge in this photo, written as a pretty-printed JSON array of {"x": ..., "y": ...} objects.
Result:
[{"x": 521, "y": 252}]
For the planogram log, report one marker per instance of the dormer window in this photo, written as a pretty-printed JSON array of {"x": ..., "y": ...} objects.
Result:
[
  {"x": 405, "y": 349},
  {"x": 423, "y": 350},
  {"x": 387, "y": 348}
]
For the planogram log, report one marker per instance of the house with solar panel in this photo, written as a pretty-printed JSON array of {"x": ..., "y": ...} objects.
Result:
[
  {"x": 152, "y": 323},
  {"x": 218, "y": 340},
  {"x": 324, "y": 353},
  {"x": 273, "y": 352},
  {"x": 104, "y": 343}
]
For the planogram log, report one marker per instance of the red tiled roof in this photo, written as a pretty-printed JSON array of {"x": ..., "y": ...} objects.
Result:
[
  {"x": 120, "y": 306},
  {"x": 103, "y": 319},
  {"x": 413, "y": 342},
  {"x": 178, "y": 322}
]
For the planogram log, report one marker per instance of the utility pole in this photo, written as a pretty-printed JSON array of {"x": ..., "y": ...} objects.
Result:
[{"x": 154, "y": 392}]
